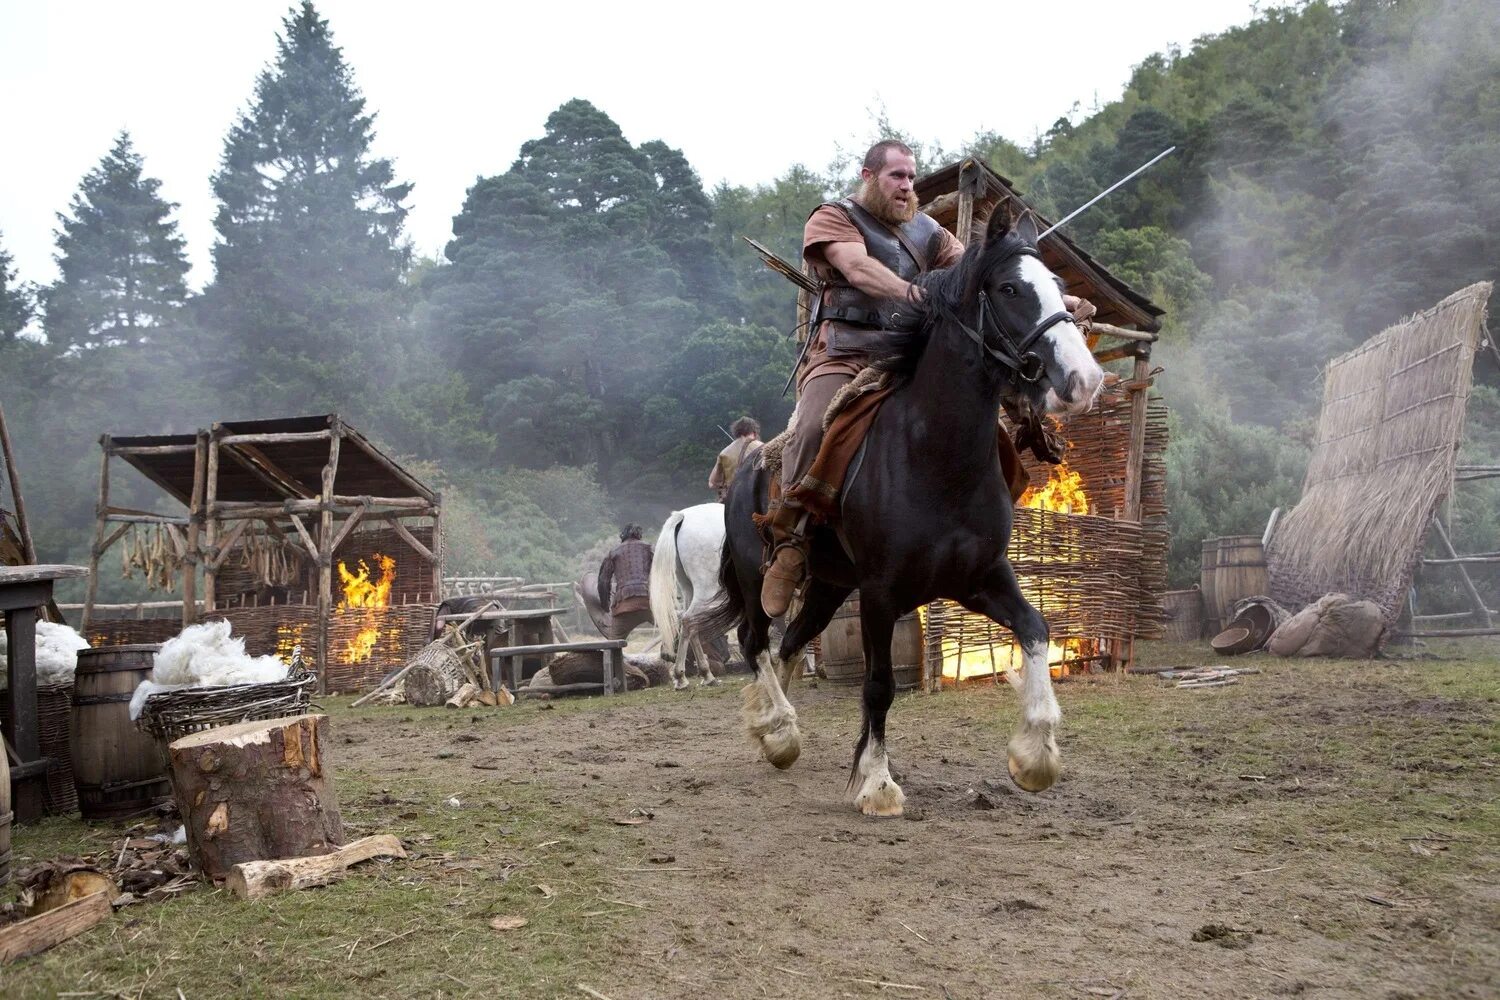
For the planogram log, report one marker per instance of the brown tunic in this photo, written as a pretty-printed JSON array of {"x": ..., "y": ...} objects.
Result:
[
  {"x": 830, "y": 225},
  {"x": 729, "y": 460},
  {"x": 628, "y": 569}
]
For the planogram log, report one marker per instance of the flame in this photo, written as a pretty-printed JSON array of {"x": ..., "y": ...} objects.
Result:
[
  {"x": 360, "y": 591},
  {"x": 288, "y": 638},
  {"x": 1062, "y": 493}
]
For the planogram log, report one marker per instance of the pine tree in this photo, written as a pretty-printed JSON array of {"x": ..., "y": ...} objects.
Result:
[
  {"x": 307, "y": 289},
  {"x": 15, "y": 300},
  {"x": 122, "y": 262}
]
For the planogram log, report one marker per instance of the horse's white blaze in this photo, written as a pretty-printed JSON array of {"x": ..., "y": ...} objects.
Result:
[
  {"x": 875, "y": 791},
  {"x": 1067, "y": 343},
  {"x": 770, "y": 718}
]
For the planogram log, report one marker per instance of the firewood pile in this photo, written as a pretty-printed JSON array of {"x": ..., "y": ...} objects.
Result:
[{"x": 450, "y": 671}]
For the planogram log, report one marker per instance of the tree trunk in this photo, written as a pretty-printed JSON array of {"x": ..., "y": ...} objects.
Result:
[{"x": 256, "y": 791}]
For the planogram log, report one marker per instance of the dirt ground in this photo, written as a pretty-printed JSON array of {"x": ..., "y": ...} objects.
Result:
[{"x": 1318, "y": 830}]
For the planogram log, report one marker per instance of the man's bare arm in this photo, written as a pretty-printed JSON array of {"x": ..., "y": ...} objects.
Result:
[{"x": 868, "y": 274}]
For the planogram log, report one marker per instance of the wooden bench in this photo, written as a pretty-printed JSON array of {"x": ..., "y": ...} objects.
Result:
[{"x": 505, "y": 663}]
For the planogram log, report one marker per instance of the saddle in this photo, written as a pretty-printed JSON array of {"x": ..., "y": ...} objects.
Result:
[{"x": 846, "y": 423}]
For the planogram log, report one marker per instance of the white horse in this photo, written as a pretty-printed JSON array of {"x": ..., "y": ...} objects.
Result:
[{"x": 685, "y": 581}]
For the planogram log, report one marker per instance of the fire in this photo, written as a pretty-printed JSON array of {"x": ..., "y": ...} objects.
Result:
[
  {"x": 288, "y": 638},
  {"x": 360, "y": 591},
  {"x": 1062, "y": 493}
]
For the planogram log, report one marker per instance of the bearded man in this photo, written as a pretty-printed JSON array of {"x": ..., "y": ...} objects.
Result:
[{"x": 866, "y": 250}]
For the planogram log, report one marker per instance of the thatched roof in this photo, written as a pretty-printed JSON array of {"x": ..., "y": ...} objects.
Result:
[
  {"x": 1388, "y": 435},
  {"x": 1117, "y": 302}
]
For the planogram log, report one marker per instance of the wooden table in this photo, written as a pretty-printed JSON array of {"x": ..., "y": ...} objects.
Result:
[
  {"x": 507, "y": 660},
  {"x": 522, "y": 627},
  {"x": 24, "y": 591}
]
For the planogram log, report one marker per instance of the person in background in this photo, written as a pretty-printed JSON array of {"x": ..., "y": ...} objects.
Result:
[
  {"x": 746, "y": 443},
  {"x": 624, "y": 584}
]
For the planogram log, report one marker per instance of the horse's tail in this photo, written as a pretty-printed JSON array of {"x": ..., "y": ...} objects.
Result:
[
  {"x": 728, "y": 610},
  {"x": 663, "y": 586}
]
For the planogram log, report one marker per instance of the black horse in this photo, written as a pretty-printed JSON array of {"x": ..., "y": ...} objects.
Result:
[{"x": 926, "y": 512}]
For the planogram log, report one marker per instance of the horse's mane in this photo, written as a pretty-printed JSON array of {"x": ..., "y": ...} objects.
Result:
[{"x": 947, "y": 291}]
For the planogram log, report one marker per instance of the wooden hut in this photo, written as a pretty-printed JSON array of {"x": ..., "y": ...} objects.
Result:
[
  {"x": 1097, "y": 577},
  {"x": 300, "y": 532}
]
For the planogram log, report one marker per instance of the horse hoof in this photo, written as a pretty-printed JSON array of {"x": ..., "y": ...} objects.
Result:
[
  {"x": 711, "y": 682},
  {"x": 781, "y": 747},
  {"x": 886, "y": 799},
  {"x": 1036, "y": 779}
]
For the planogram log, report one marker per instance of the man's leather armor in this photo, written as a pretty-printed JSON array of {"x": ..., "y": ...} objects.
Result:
[{"x": 858, "y": 318}]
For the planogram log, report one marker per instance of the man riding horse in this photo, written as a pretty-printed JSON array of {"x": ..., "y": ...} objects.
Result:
[{"x": 866, "y": 250}]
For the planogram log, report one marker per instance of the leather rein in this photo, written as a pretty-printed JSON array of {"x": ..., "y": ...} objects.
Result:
[{"x": 1011, "y": 351}]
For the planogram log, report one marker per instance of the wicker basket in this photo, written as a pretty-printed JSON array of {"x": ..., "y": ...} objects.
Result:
[
  {"x": 172, "y": 715},
  {"x": 54, "y": 717}
]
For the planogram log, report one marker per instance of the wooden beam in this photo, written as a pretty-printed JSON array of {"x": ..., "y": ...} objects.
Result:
[
  {"x": 1135, "y": 459},
  {"x": 28, "y": 549},
  {"x": 1110, "y": 330},
  {"x": 145, "y": 519},
  {"x": 216, "y": 559},
  {"x": 325, "y": 552},
  {"x": 114, "y": 536},
  {"x": 37, "y": 934},
  {"x": 375, "y": 455},
  {"x": 155, "y": 449},
  {"x": 258, "y": 879},
  {"x": 312, "y": 547},
  {"x": 1481, "y": 613},
  {"x": 348, "y": 526},
  {"x": 407, "y": 503},
  {"x": 211, "y": 525},
  {"x": 195, "y": 523},
  {"x": 1116, "y": 354},
  {"x": 437, "y": 548},
  {"x": 411, "y": 540},
  {"x": 97, "y": 549},
  {"x": 288, "y": 438},
  {"x": 168, "y": 488}
]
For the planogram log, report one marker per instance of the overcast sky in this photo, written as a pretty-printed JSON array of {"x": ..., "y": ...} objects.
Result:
[{"x": 745, "y": 89}]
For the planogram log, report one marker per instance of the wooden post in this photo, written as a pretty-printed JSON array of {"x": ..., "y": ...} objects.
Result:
[
  {"x": 191, "y": 557},
  {"x": 325, "y": 553},
  {"x": 965, "y": 217},
  {"x": 97, "y": 549},
  {"x": 256, "y": 791},
  {"x": 1481, "y": 613},
  {"x": 437, "y": 548},
  {"x": 1136, "y": 458},
  {"x": 211, "y": 520}
]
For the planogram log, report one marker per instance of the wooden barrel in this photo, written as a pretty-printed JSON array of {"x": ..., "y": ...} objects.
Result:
[
  {"x": 5, "y": 817},
  {"x": 117, "y": 768},
  {"x": 1184, "y": 611},
  {"x": 1240, "y": 573},
  {"x": 1208, "y": 571},
  {"x": 843, "y": 651}
]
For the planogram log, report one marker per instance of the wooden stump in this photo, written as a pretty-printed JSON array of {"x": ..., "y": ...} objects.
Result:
[
  {"x": 435, "y": 675},
  {"x": 256, "y": 791}
]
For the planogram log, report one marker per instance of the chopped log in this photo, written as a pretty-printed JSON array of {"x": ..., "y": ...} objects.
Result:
[
  {"x": 490, "y": 698},
  {"x": 256, "y": 791},
  {"x": 258, "y": 879},
  {"x": 464, "y": 696},
  {"x": 37, "y": 934},
  {"x": 436, "y": 673}
]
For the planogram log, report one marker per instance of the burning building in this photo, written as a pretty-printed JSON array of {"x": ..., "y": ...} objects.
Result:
[{"x": 299, "y": 531}]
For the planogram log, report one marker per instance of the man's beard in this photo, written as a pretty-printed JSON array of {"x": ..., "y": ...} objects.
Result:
[{"x": 884, "y": 208}]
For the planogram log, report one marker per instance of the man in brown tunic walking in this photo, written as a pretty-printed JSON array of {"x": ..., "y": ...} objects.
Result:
[
  {"x": 746, "y": 443},
  {"x": 866, "y": 250},
  {"x": 625, "y": 584}
]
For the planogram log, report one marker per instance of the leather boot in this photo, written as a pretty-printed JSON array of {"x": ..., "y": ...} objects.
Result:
[{"x": 788, "y": 564}]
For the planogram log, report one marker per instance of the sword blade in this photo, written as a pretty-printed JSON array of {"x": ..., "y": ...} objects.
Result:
[{"x": 1096, "y": 198}]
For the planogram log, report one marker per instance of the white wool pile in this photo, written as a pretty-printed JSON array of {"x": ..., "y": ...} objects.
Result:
[
  {"x": 57, "y": 649},
  {"x": 205, "y": 656}
]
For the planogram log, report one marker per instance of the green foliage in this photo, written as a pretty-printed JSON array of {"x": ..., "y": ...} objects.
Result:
[
  {"x": 17, "y": 301},
  {"x": 307, "y": 293},
  {"x": 122, "y": 262}
]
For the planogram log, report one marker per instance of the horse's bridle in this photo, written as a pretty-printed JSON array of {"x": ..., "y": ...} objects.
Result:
[{"x": 1013, "y": 352}]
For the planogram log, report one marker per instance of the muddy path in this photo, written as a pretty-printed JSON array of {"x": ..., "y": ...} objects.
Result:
[{"x": 1320, "y": 830}]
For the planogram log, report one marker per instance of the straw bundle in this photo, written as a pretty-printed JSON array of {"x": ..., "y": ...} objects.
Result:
[{"x": 1388, "y": 434}]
